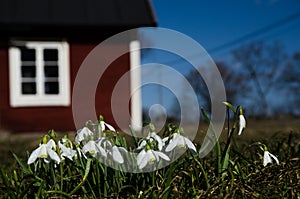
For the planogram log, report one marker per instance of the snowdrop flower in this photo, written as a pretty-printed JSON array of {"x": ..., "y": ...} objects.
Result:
[
  {"x": 241, "y": 124},
  {"x": 116, "y": 155},
  {"x": 82, "y": 134},
  {"x": 104, "y": 144},
  {"x": 241, "y": 121},
  {"x": 92, "y": 148},
  {"x": 66, "y": 152},
  {"x": 112, "y": 150},
  {"x": 44, "y": 151},
  {"x": 152, "y": 137},
  {"x": 268, "y": 158},
  {"x": 180, "y": 141},
  {"x": 158, "y": 139},
  {"x": 149, "y": 157},
  {"x": 104, "y": 124}
]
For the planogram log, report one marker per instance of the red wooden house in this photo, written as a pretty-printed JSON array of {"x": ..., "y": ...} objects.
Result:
[{"x": 42, "y": 45}]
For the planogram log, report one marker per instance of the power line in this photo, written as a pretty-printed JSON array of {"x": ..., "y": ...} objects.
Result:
[
  {"x": 256, "y": 33},
  {"x": 246, "y": 37}
]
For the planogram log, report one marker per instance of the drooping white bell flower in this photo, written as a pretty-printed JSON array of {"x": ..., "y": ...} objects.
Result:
[
  {"x": 112, "y": 150},
  {"x": 180, "y": 141},
  {"x": 44, "y": 151},
  {"x": 92, "y": 148},
  {"x": 104, "y": 124},
  {"x": 66, "y": 152},
  {"x": 151, "y": 137},
  {"x": 116, "y": 155},
  {"x": 149, "y": 157},
  {"x": 241, "y": 123},
  {"x": 158, "y": 139},
  {"x": 268, "y": 158},
  {"x": 83, "y": 134}
]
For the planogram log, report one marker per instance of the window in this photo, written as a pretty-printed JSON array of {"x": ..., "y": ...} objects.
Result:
[{"x": 39, "y": 74}]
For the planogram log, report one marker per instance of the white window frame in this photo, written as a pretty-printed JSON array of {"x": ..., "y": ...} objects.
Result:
[{"x": 17, "y": 99}]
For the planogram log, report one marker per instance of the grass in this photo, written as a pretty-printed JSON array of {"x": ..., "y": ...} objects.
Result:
[{"x": 245, "y": 176}]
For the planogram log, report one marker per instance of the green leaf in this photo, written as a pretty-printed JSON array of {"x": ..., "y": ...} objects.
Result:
[
  {"x": 226, "y": 159},
  {"x": 230, "y": 106},
  {"x": 4, "y": 177},
  {"x": 23, "y": 167},
  {"x": 206, "y": 118},
  {"x": 86, "y": 173}
]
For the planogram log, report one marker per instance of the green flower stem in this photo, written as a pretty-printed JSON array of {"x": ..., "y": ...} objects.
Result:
[
  {"x": 86, "y": 173},
  {"x": 218, "y": 147},
  {"x": 203, "y": 171},
  {"x": 227, "y": 147},
  {"x": 61, "y": 176}
]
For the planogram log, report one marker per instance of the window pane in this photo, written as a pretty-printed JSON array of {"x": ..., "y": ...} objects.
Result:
[
  {"x": 51, "y": 88},
  {"x": 28, "y": 71},
  {"x": 27, "y": 54},
  {"x": 50, "y": 54},
  {"x": 28, "y": 88},
  {"x": 51, "y": 71}
]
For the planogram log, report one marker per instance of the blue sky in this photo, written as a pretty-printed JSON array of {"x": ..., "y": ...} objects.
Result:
[{"x": 215, "y": 23}]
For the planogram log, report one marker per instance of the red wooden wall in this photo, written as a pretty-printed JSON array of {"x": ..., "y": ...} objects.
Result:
[{"x": 41, "y": 119}]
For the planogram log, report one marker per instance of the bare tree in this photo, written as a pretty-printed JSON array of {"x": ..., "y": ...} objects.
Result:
[
  {"x": 263, "y": 63},
  {"x": 233, "y": 82},
  {"x": 290, "y": 84}
]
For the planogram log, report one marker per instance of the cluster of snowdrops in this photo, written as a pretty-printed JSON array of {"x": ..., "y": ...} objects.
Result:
[
  {"x": 98, "y": 162},
  {"x": 99, "y": 141}
]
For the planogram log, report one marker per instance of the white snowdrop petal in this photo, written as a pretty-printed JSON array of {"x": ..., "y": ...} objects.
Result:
[
  {"x": 165, "y": 139},
  {"x": 181, "y": 141},
  {"x": 190, "y": 144},
  {"x": 173, "y": 142},
  {"x": 159, "y": 140},
  {"x": 90, "y": 147},
  {"x": 117, "y": 155},
  {"x": 143, "y": 163},
  {"x": 140, "y": 157},
  {"x": 242, "y": 124},
  {"x": 163, "y": 156},
  {"x": 53, "y": 155},
  {"x": 33, "y": 156},
  {"x": 142, "y": 145},
  {"x": 102, "y": 151},
  {"x": 110, "y": 127},
  {"x": 274, "y": 157},
  {"x": 171, "y": 146},
  {"x": 63, "y": 147},
  {"x": 102, "y": 125},
  {"x": 151, "y": 156},
  {"x": 42, "y": 153},
  {"x": 51, "y": 144},
  {"x": 267, "y": 158},
  {"x": 83, "y": 134}
]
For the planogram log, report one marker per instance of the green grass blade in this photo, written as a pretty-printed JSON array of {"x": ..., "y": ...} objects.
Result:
[
  {"x": 230, "y": 106},
  {"x": 86, "y": 173},
  {"x": 23, "y": 167},
  {"x": 226, "y": 159}
]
